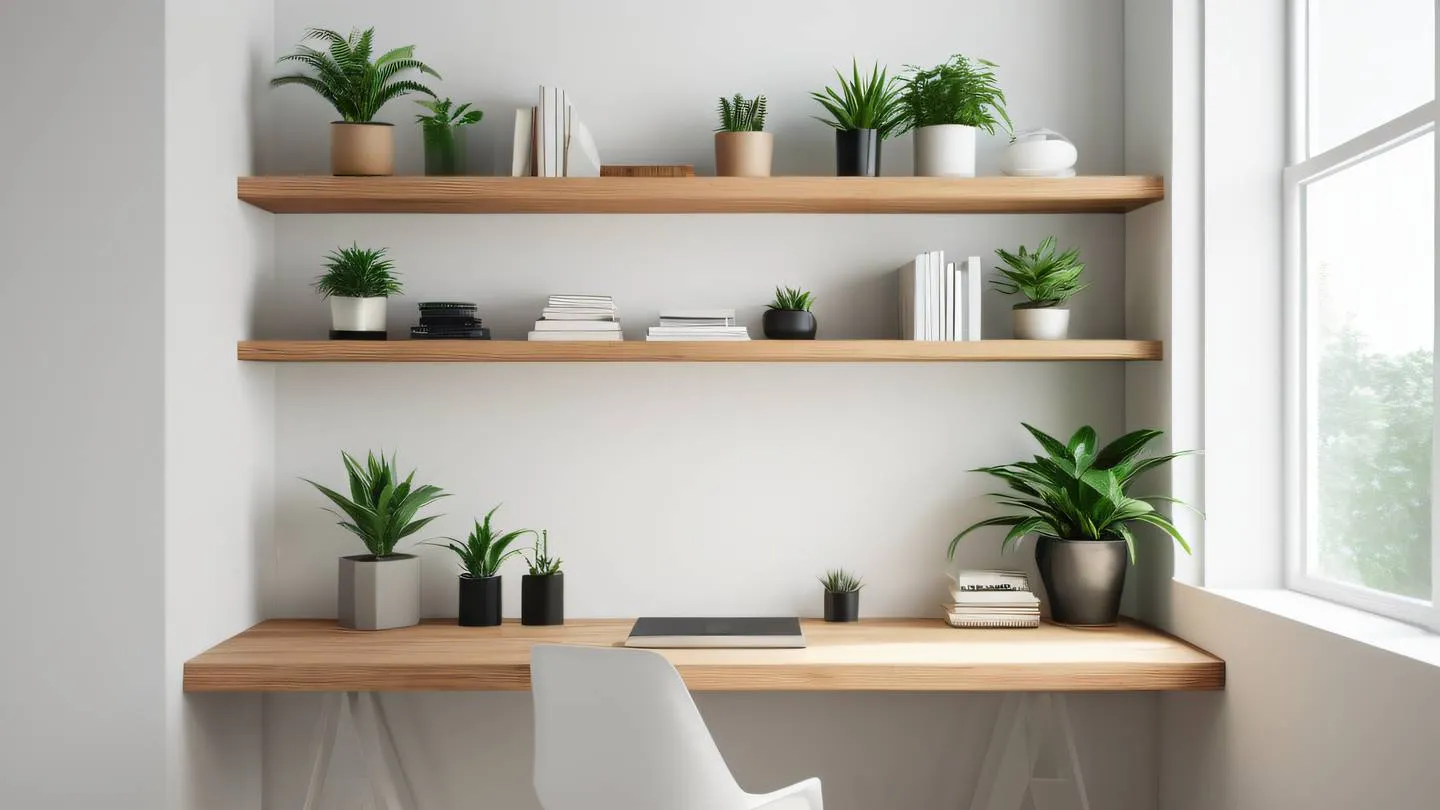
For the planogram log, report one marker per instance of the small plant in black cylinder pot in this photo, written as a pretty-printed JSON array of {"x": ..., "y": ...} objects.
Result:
[
  {"x": 481, "y": 556},
  {"x": 542, "y": 591},
  {"x": 842, "y": 596},
  {"x": 789, "y": 316},
  {"x": 864, "y": 112}
]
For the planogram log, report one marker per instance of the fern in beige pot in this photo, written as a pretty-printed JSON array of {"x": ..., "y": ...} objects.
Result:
[{"x": 742, "y": 146}]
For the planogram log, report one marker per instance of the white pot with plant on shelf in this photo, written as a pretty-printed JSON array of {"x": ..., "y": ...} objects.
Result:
[
  {"x": 358, "y": 283},
  {"x": 1047, "y": 280},
  {"x": 947, "y": 106},
  {"x": 359, "y": 145}
]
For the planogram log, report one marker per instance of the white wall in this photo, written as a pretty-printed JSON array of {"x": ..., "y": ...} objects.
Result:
[
  {"x": 219, "y": 436},
  {"x": 708, "y": 488},
  {"x": 82, "y": 321}
]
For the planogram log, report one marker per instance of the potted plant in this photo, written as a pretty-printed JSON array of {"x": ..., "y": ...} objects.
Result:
[
  {"x": 380, "y": 590},
  {"x": 945, "y": 105},
  {"x": 357, "y": 88},
  {"x": 1075, "y": 498},
  {"x": 864, "y": 113},
  {"x": 1046, "y": 280},
  {"x": 443, "y": 131},
  {"x": 357, "y": 282},
  {"x": 484, "y": 551},
  {"x": 789, "y": 317},
  {"x": 842, "y": 596},
  {"x": 742, "y": 147},
  {"x": 542, "y": 591}
]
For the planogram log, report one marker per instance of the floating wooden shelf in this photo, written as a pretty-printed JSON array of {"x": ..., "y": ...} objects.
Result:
[
  {"x": 925, "y": 655},
  {"x": 639, "y": 351},
  {"x": 699, "y": 195}
]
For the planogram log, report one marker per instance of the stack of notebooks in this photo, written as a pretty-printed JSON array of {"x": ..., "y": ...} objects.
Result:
[
  {"x": 698, "y": 324},
  {"x": 992, "y": 599},
  {"x": 552, "y": 141},
  {"x": 448, "y": 320},
  {"x": 940, "y": 300},
  {"x": 578, "y": 317}
]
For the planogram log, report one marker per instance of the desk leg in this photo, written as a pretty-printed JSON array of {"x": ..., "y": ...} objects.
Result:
[
  {"x": 377, "y": 747},
  {"x": 1030, "y": 727}
]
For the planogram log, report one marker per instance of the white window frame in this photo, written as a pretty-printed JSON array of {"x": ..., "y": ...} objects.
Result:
[{"x": 1300, "y": 334}]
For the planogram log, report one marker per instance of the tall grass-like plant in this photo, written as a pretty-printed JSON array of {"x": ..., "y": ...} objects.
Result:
[
  {"x": 381, "y": 508},
  {"x": 741, "y": 114},
  {"x": 1045, "y": 278},
  {"x": 357, "y": 272},
  {"x": 541, "y": 562},
  {"x": 838, "y": 580},
  {"x": 485, "y": 549},
  {"x": 959, "y": 91},
  {"x": 1078, "y": 490},
  {"x": 344, "y": 75},
  {"x": 792, "y": 299},
  {"x": 871, "y": 101}
]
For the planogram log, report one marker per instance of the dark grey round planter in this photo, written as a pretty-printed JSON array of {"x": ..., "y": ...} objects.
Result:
[
  {"x": 789, "y": 324},
  {"x": 1083, "y": 579},
  {"x": 842, "y": 607},
  {"x": 479, "y": 601},
  {"x": 857, "y": 153},
  {"x": 542, "y": 599}
]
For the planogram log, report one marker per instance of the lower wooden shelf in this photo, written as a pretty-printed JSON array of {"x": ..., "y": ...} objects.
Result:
[
  {"x": 639, "y": 351},
  {"x": 882, "y": 655}
]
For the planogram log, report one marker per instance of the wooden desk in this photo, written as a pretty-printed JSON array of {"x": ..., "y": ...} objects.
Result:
[{"x": 899, "y": 655}]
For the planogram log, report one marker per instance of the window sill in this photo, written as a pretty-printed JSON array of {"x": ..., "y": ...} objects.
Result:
[{"x": 1370, "y": 629}]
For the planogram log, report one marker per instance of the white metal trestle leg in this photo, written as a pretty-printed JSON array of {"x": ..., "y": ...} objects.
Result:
[
  {"x": 1032, "y": 755},
  {"x": 377, "y": 746}
]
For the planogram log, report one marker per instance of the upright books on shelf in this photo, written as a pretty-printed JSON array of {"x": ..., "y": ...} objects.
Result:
[
  {"x": 552, "y": 141},
  {"x": 940, "y": 300}
]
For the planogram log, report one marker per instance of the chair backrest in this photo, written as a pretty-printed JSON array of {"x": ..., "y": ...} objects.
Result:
[{"x": 616, "y": 729}]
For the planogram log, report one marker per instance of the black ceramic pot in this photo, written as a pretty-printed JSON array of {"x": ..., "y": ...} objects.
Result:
[
  {"x": 542, "y": 599},
  {"x": 842, "y": 607},
  {"x": 857, "y": 153},
  {"x": 789, "y": 324},
  {"x": 479, "y": 601},
  {"x": 1083, "y": 579}
]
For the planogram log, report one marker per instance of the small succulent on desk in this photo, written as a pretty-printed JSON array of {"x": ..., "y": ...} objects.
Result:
[
  {"x": 1046, "y": 279},
  {"x": 838, "y": 580},
  {"x": 541, "y": 562},
  {"x": 740, "y": 114},
  {"x": 788, "y": 317},
  {"x": 542, "y": 591},
  {"x": 485, "y": 549},
  {"x": 742, "y": 146},
  {"x": 842, "y": 595},
  {"x": 443, "y": 132},
  {"x": 792, "y": 299}
]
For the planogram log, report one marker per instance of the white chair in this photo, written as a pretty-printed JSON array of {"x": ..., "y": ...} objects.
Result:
[{"x": 616, "y": 729}]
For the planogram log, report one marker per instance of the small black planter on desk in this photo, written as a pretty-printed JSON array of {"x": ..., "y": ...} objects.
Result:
[
  {"x": 857, "y": 153},
  {"x": 479, "y": 601},
  {"x": 842, "y": 607},
  {"x": 542, "y": 599},
  {"x": 789, "y": 324}
]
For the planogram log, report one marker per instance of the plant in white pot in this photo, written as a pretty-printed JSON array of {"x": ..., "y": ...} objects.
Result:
[
  {"x": 344, "y": 75},
  {"x": 742, "y": 147},
  {"x": 946, "y": 106},
  {"x": 379, "y": 590},
  {"x": 1047, "y": 280},
  {"x": 1075, "y": 499},
  {"x": 358, "y": 281}
]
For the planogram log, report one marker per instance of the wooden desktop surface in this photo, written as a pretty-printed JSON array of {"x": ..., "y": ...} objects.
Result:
[{"x": 899, "y": 655}]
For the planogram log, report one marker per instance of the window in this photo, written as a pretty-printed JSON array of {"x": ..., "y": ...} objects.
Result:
[{"x": 1360, "y": 202}]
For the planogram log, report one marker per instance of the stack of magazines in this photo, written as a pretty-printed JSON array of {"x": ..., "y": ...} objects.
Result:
[
  {"x": 448, "y": 320},
  {"x": 992, "y": 599},
  {"x": 697, "y": 324}
]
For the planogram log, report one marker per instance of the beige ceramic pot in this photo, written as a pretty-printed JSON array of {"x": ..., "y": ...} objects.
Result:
[
  {"x": 366, "y": 150},
  {"x": 744, "y": 154}
]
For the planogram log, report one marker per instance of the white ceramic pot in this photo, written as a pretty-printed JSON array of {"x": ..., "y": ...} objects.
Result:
[
  {"x": 1042, "y": 323},
  {"x": 357, "y": 314},
  {"x": 945, "y": 150}
]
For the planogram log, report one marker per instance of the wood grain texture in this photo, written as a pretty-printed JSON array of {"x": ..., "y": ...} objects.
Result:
[
  {"x": 699, "y": 195},
  {"x": 639, "y": 351},
  {"x": 887, "y": 655}
]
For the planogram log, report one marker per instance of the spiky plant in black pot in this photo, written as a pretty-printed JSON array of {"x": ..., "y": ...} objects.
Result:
[{"x": 789, "y": 317}]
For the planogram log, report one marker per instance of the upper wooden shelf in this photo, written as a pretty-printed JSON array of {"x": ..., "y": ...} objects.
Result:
[
  {"x": 900, "y": 655},
  {"x": 699, "y": 195},
  {"x": 640, "y": 351}
]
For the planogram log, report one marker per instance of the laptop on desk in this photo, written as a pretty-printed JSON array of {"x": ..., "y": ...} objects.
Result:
[{"x": 748, "y": 632}]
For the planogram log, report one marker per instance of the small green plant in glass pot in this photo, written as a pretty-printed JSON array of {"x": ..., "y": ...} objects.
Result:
[
  {"x": 1075, "y": 498},
  {"x": 946, "y": 106},
  {"x": 788, "y": 317},
  {"x": 864, "y": 112},
  {"x": 480, "y": 557},
  {"x": 358, "y": 281},
  {"x": 542, "y": 591},
  {"x": 379, "y": 590},
  {"x": 357, "y": 86},
  {"x": 742, "y": 146},
  {"x": 842, "y": 595},
  {"x": 443, "y": 131},
  {"x": 1047, "y": 280}
]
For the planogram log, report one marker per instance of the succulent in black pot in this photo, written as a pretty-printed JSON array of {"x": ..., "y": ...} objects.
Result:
[
  {"x": 842, "y": 595},
  {"x": 542, "y": 591},
  {"x": 789, "y": 316}
]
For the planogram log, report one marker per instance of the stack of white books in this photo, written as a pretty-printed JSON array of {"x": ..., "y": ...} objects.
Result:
[
  {"x": 992, "y": 599},
  {"x": 940, "y": 300},
  {"x": 698, "y": 324},
  {"x": 578, "y": 317}
]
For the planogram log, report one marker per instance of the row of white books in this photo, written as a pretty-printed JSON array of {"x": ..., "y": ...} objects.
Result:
[
  {"x": 940, "y": 300},
  {"x": 552, "y": 141},
  {"x": 992, "y": 599},
  {"x": 697, "y": 324},
  {"x": 578, "y": 317}
]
